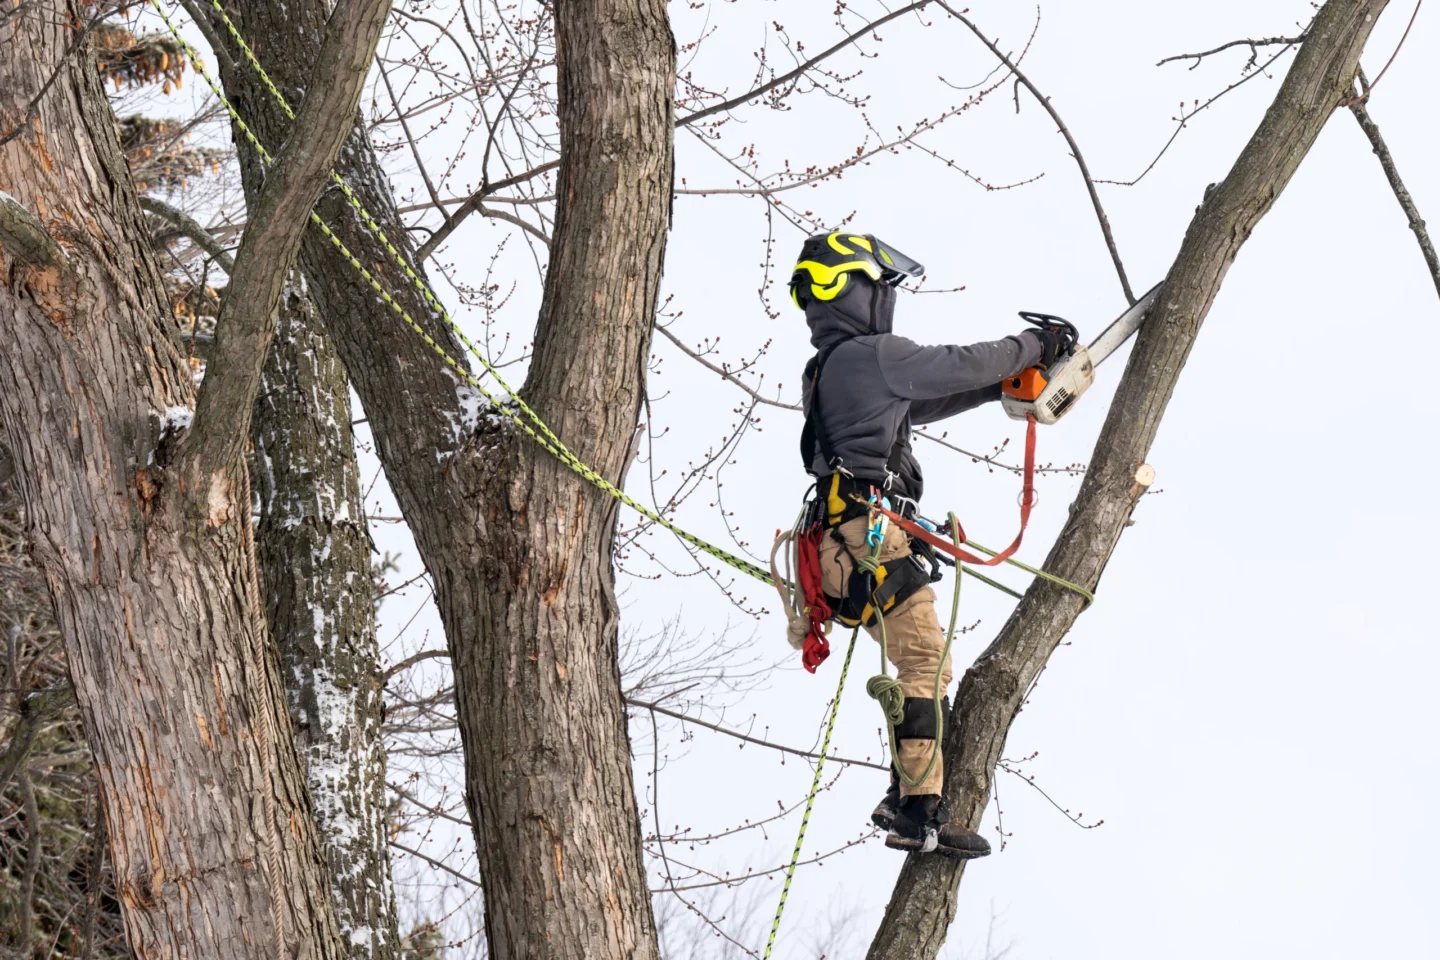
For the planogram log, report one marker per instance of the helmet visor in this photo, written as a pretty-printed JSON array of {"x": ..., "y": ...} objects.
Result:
[{"x": 894, "y": 265}]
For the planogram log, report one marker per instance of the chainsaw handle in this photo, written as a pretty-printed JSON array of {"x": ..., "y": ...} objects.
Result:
[{"x": 1052, "y": 322}]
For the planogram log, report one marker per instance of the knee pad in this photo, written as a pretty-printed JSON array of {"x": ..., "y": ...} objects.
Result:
[{"x": 919, "y": 722}]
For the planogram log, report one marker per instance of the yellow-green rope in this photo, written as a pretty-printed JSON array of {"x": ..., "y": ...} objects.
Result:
[
  {"x": 531, "y": 423},
  {"x": 887, "y": 691},
  {"x": 810, "y": 800}
]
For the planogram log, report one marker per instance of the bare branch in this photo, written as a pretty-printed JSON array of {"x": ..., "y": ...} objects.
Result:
[
  {"x": 437, "y": 864},
  {"x": 724, "y": 374},
  {"x": 191, "y": 229},
  {"x": 1186, "y": 116},
  {"x": 413, "y": 659},
  {"x": 473, "y": 204},
  {"x": 1387, "y": 163},
  {"x": 276, "y": 224},
  {"x": 798, "y": 71},
  {"x": 1252, "y": 44},
  {"x": 1365, "y": 95},
  {"x": 656, "y": 708},
  {"x": 1065, "y": 132}
]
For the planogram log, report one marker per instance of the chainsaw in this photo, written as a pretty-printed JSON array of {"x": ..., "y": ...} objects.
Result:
[{"x": 1050, "y": 393}]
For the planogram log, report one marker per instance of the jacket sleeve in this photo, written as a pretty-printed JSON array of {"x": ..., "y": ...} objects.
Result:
[
  {"x": 929, "y": 411},
  {"x": 918, "y": 373}
]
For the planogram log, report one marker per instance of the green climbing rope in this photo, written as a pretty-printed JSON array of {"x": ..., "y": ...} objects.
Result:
[
  {"x": 884, "y": 688},
  {"x": 530, "y": 423},
  {"x": 887, "y": 691},
  {"x": 526, "y": 419},
  {"x": 810, "y": 800}
]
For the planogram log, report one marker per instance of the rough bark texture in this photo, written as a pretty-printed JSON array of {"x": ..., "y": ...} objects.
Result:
[
  {"x": 519, "y": 547},
  {"x": 67, "y": 905},
  {"x": 209, "y": 825},
  {"x": 993, "y": 689},
  {"x": 314, "y": 553}
]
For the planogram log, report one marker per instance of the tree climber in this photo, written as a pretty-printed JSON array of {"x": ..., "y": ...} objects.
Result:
[{"x": 856, "y": 443}]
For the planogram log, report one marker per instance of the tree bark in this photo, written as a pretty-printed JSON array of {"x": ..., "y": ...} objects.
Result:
[
  {"x": 993, "y": 689},
  {"x": 518, "y": 546},
  {"x": 142, "y": 528},
  {"x": 314, "y": 552}
]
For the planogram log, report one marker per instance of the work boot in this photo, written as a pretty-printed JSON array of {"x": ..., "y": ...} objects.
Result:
[
  {"x": 923, "y": 824},
  {"x": 889, "y": 804}
]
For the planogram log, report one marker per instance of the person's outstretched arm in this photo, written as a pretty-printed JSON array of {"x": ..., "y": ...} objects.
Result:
[{"x": 941, "y": 381}]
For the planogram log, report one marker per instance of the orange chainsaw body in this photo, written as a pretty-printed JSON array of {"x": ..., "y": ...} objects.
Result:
[{"x": 1026, "y": 385}]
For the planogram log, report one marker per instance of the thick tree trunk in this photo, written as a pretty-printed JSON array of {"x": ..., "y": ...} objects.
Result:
[
  {"x": 992, "y": 690},
  {"x": 314, "y": 552},
  {"x": 518, "y": 546},
  {"x": 153, "y": 584},
  {"x": 544, "y": 669}
]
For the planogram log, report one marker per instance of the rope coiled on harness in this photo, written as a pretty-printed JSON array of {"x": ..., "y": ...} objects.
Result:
[{"x": 888, "y": 691}]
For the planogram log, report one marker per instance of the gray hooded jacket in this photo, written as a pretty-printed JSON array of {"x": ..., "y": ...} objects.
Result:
[{"x": 876, "y": 385}]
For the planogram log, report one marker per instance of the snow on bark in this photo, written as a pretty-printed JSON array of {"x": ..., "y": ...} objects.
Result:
[{"x": 314, "y": 554}]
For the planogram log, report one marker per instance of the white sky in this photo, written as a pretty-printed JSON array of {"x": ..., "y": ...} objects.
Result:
[{"x": 1248, "y": 706}]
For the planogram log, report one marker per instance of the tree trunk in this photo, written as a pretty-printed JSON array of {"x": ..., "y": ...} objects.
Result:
[
  {"x": 518, "y": 546},
  {"x": 314, "y": 552},
  {"x": 153, "y": 584},
  {"x": 993, "y": 689}
]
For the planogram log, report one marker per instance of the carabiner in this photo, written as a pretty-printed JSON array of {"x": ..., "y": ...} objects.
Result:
[{"x": 876, "y": 534}]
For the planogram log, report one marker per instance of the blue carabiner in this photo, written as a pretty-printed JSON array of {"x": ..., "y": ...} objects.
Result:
[{"x": 876, "y": 534}]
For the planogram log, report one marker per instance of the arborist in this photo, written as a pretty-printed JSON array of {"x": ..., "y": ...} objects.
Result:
[{"x": 864, "y": 391}]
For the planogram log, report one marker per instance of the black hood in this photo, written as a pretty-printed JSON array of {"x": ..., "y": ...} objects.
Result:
[{"x": 864, "y": 307}]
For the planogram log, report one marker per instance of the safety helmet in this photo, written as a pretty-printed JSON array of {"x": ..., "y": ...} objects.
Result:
[{"x": 828, "y": 259}]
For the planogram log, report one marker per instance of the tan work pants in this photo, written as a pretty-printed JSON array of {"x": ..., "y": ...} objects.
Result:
[{"x": 914, "y": 639}]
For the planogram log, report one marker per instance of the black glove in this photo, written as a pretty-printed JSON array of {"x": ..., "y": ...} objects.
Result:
[{"x": 1054, "y": 345}]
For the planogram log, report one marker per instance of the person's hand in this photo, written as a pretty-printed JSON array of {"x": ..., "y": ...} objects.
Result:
[{"x": 1054, "y": 345}]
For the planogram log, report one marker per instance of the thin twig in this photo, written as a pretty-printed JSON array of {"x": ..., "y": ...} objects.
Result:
[
  {"x": 473, "y": 203},
  {"x": 726, "y": 374},
  {"x": 414, "y": 147},
  {"x": 1065, "y": 132},
  {"x": 435, "y": 863},
  {"x": 1365, "y": 94},
  {"x": 795, "y": 74},
  {"x": 656, "y": 708},
  {"x": 1185, "y": 118}
]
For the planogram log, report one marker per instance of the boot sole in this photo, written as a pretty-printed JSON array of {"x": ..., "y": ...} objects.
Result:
[
  {"x": 914, "y": 846},
  {"x": 881, "y": 820}
]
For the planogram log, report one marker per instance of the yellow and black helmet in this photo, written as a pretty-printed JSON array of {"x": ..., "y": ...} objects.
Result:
[{"x": 827, "y": 260}]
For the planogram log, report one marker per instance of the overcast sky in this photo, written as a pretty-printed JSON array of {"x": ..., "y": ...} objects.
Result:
[{"x": 1249, "y": 704}]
